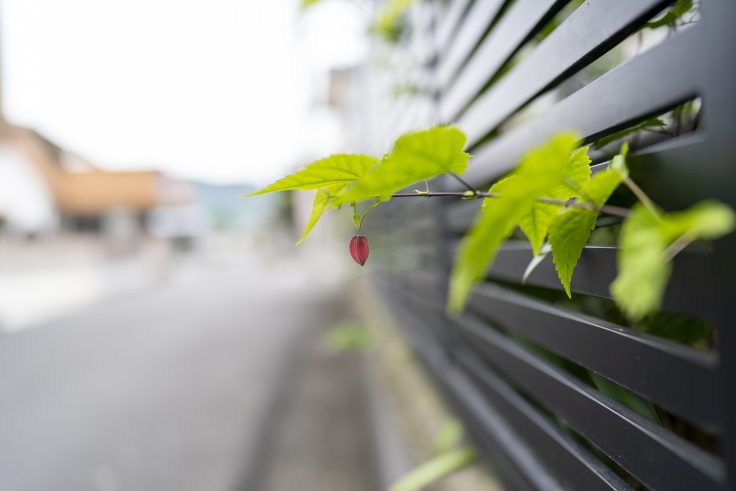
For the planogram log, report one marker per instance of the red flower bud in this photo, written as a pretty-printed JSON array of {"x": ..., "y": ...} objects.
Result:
[{"x": 359, "y": 249}]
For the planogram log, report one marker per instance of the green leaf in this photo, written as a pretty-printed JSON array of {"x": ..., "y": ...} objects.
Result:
[
  {"x": 675, "y": 327},
  {"x": 435, "y": 469},
  {"x": 309, "y": 3},
  {"x": 675, "y": 13},
  {"x": 642, "y": 265},
  {"x": 570, "y": 231},
  {"x": 389, "y": 23},
  {"x": 492, "y": 226},
  {"x": 321, "y": 199},
  {"x": 643, "y": 262},
  {"x": 356, "y": 221},
  {"x": 536, "y": 261},
  {"x": 416, "y": 156},
  {"x": 578, "y": 169},
  {"x": 543, "y": 170},
  {"x": 568, "y": 236},
  {"x": 618, "y": 163},
  {"x": 449, "y": 436},
  {"x": 346, "y": 337},
  {"x": 648, "y": 124},
  {"x": 625, "y": 397},
  {"x": 574, "y": 174},
  {"x": 704, "y": 220},
  {"x": 335, "y": 169}
]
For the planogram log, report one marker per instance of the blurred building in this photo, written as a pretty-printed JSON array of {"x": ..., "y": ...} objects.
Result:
[{"x": 45, "y": 188}]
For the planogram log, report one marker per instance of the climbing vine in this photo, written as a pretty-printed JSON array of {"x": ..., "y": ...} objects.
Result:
[{"x": 550, "y": 195}]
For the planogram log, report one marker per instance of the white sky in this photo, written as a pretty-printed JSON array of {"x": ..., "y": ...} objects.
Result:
[{"x": 219, "y": 90}]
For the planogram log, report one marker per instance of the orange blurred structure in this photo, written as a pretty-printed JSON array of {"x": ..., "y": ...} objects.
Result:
[{"x": 80, "y": 188}]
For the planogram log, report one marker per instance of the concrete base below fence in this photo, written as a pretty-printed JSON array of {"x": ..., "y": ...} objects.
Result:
[{"x": 407, "y": 412}]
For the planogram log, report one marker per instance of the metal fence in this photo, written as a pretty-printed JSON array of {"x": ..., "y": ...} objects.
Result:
[{"x": 558, "y": 393}]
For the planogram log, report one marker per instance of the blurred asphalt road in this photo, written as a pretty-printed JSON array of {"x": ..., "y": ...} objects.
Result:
[{"x": 164, "y": 389}]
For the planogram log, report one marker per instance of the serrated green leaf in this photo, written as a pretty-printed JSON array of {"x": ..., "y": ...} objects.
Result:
[
  {"x": 570, "y": 231},
  {"x": 321, "y": 199},
  {"x": 493, "y": 225},
  {"x": 541, "y": 172},
  {"x": 643, "y": 264},
  {"x": 547, "y": 164},
  {"x": 416, "y": 156},
  {"x": 601, "y": 186},
  {"x": 578, "y": 169},
  {"x": 536, "y": 223},
  {"x": 333, "y": 170},
  {"x": 568, "y": 236}
]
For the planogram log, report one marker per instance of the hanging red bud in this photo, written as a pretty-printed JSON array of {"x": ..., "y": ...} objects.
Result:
[{"x": 359, "y": 249}]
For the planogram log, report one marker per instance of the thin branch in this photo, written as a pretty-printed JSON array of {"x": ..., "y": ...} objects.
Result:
[
  {"x": 365, "y": 214},
  {"x": 678, "y": 245},
  {"x": 606, "y": 209},
  {"x": 465, "y": 183},
  {"x": 642, "y": 196}
]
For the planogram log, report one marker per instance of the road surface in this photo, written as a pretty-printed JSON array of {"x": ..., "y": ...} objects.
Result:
[{"x": 176, "y": 388}]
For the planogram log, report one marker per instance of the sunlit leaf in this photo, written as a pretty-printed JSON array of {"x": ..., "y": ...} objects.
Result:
[
  {"x": 643, "y": 263},
  {"x": 569, "y": 235},
  {"x": 643, "y": 270},
  {"x": 492, "y": 227},
  {"x": 415, "y": 156},
  {"x": 570, "y": 231},
  {"x": 321, "y": 200},
  {"x": 704, "y": 220},
  {"x": 541, "y": 171},
  {"x": 618, "y": 163},
  {"x": 335, "y": 169}
]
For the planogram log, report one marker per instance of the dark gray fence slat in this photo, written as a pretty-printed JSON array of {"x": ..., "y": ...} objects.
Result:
[
  {"x": 476, "y": 21},
  {"x": 654, "y": 456},
  {"x": 637, "y": 361},
  {"x": 511, "y": 425},
  {"x": 592, "y": 29},
  {"x": 640, "y": 362},
  {"x": 688, "y": 291},
  {"x": 501, "y": 43},
  {"x": 649, "y": 84}
]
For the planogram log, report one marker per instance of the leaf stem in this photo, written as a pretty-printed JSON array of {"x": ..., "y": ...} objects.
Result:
[
  {"x": 365, "y": 213},
  {"x": 607, "y": 209},
  {"x": 678, "y": 245},
  {"x": 465, "y": 183},
  {"x": 642, "y": 196}
]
